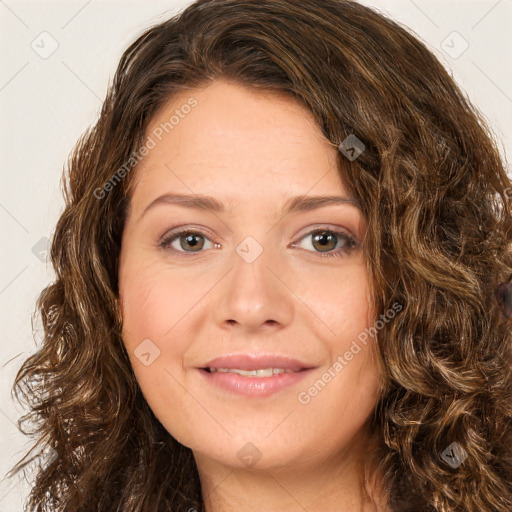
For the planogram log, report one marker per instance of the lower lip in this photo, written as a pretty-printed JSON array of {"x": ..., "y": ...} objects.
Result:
[{"x": 254, "y": 386}]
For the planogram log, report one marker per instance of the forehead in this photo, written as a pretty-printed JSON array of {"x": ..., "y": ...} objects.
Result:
[{"x": 237, "y": 140}]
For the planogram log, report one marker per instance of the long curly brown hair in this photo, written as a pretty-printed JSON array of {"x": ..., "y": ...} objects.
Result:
[{"x": 433, "y": 189}]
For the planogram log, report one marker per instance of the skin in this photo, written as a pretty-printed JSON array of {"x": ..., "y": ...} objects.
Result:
[{"x": 252, "y": 151}]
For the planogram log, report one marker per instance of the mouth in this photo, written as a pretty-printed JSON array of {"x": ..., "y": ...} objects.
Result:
[
  {"x": 258, "y": 373},
  {"x": 252, "y": 384},
  {"x": 254, "y": 375},
  {"x": 264, "y": 365}
]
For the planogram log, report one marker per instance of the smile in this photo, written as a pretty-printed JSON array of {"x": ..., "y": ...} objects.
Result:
[{"x": 253, "y": 383}]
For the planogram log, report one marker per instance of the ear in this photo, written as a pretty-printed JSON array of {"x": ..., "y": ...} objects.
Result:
[{"x": 503, "y": 294}]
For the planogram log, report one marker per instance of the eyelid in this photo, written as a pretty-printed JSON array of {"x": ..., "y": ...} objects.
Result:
[{"x": 327, "y": 227}]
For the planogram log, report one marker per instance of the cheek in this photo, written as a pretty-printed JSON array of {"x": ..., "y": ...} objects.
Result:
[
  {"x": 149, "y": 309},
  {"x": 340, "y": 300},
  {"x": 343, "y": 395},
  {"x": 151, "y": 302},
  {"x": 350, "y": 382},
  {"x": 157, "y": 310},
  {"x": 138, "y": 305}
]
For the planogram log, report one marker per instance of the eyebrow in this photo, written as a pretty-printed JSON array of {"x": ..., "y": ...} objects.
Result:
[{"x": 210, "y": 204}]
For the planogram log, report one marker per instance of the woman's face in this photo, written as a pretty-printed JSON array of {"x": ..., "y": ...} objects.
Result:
[{"x": 238, "y": 286}]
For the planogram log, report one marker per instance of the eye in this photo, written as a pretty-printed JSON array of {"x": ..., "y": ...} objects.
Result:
[
  {"x": 325, "y": 240},
  {"x": 192, "y": 242}
]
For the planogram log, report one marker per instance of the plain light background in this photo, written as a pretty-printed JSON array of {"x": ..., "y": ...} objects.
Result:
[{"x": 57, "y": 59}]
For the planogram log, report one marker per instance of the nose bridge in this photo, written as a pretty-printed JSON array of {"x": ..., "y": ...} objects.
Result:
[{"x": 254, "y": 294}]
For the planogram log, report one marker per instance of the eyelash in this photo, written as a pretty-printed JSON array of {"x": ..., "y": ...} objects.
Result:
[{"x": 350, "y": 243}]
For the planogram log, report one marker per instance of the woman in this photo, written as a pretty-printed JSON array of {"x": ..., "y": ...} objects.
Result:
[{"x": 336, "y": 342}]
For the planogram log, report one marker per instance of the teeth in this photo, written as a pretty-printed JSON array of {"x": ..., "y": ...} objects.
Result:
[{"x": 267, "y": 372}]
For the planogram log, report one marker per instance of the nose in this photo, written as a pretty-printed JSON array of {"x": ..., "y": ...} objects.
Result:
[{"x": 255, "y": 294}]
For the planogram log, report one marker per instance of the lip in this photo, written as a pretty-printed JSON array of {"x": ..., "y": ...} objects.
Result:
[
  {"x": 256, "y": 362},
  {"x": 255, "y": 386}
]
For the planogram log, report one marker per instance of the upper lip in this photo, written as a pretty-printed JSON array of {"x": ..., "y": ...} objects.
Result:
[{"x": 257, "y": 362}]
